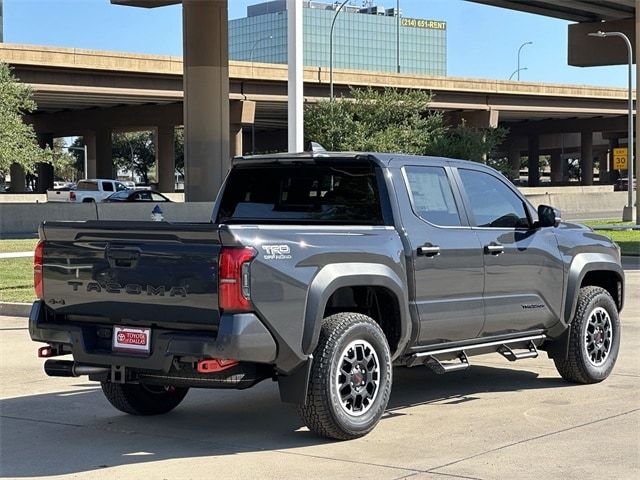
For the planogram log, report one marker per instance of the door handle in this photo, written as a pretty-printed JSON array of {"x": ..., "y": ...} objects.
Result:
[
  {"x": 428, "y": 250},
  {"x": 494, "y": 248},
  {"x": 122, "y": 257}
]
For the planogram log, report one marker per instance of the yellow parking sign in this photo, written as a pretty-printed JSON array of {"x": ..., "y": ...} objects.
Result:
[{"x": 620, "y": 158}]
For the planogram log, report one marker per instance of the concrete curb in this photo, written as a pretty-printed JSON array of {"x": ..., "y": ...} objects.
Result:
[{"x": 11, "y": 309}]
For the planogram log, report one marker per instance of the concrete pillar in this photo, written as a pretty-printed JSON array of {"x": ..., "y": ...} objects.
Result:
[
  {"x": 104, "y": 160},
  {"x": 240, "y": 113},
  {"x": 89, "y": 139},
  {"x": 533, "y": 162},
  {"x": 206, "y": 97},
  {"x": 514, "y": 160},
  {"x": 556, "y": 168},
  {"x": 586, "y": 157},
  {"x": 18, "y": 178},
  {"x": 166, "y": 158}
]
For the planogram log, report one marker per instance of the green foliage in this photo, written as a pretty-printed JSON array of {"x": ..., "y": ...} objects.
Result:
[
  {"x": 396, "y": 121},
  {"x": 137, "y": 149},
  {"x": 17, "y": 139},
  {"x": 65, "y": 163},
  {"x": 178, "y": 145}
]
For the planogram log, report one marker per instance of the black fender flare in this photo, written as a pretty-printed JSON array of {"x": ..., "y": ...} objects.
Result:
[
  {"x": 582, "y": 264},
  {"x": 334, "y": 276}
]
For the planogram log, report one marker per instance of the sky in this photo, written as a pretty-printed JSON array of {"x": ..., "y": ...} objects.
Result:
[{"x": 482, "y": 41}]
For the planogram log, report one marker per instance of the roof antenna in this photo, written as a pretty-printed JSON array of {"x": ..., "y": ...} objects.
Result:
[{"x": 315, "y": 147}]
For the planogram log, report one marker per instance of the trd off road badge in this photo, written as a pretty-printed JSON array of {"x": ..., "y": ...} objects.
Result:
[{"x": 276, "y": 252}]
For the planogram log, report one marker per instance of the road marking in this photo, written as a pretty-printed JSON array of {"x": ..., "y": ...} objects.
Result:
[{"x": 16, "y": 255}]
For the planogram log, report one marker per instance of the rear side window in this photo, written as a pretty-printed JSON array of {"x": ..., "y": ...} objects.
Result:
[
  {"x": 87, "y": 186},
  {"x": 339, "y": 193},
  {"x": 107, "y": 187},
  {"x": 431, "y": 196}
]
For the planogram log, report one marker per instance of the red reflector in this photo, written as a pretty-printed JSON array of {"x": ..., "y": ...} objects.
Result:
[
  {"x": 38, "y": 256},
  {"x": 72, "y": 196},
  {"x": 233, "y": 285},
  {"x": 215, "y": 365}
]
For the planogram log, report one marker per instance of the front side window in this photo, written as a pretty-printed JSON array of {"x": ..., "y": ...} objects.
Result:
[
  {"x": 431, "y": 195},
  {"x": 492, "y": 203},
  {"x": 332, "y": 192},
  {"x": 120, "y": 187}
]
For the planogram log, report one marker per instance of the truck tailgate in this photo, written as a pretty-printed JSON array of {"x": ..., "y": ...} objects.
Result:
[{"x": 133, "y": 273}]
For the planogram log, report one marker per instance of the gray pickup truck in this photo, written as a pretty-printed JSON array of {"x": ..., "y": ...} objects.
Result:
[{"x": 323, "y": 272}]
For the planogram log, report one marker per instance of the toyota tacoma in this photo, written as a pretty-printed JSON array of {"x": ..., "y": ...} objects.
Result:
[{"x": 324, "y": 272}]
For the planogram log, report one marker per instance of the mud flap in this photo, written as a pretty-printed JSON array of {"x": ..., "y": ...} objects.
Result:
[
  {"x": 293, "y": 387},
  {"x": 559, "y": 348}
]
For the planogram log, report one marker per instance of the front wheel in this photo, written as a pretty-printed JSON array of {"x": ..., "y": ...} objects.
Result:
[
  {"x": 594, "y": 338},
  {"x": 350, "y": 380},
  {"x": 141, "y": 399}
]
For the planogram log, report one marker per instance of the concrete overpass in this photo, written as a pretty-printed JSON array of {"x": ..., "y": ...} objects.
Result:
[{"x": 93, "y": 93}]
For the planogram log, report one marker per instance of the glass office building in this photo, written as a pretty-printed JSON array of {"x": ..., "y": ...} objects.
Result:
[{"x": 364, "y": 38}]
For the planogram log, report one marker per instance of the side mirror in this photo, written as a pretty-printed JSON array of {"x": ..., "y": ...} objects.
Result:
[{"x": 548, "y": 216}]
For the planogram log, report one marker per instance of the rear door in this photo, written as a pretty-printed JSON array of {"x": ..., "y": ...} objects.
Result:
[
  {"x": 446, "y": 255},
  {"x": 523, "y": 278}
]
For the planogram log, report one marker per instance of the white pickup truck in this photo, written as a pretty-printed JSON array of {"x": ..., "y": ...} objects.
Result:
[{"x": 91, "y": 190}]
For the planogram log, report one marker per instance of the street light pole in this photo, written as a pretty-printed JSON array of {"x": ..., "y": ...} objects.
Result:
[
  {"x": 519, "y": 50},
  {"x": 627, "y": 212},
  {"x": 398, "y": 35},
  {"x": 333, "y": 23},
  {"x": 253, "y": 47},
  {"x": 517, "y": 71}
]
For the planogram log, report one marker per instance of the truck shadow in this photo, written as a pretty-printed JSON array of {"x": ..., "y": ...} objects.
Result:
[{"x": 76, "y": 430}]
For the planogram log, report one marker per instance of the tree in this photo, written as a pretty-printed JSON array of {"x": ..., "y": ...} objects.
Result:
[
  {"x": 18, "y": 143},
  {"x": 178, "y": 145},
  {"x": 135, "y": 149},
  {"x": 396, "y": 121}
]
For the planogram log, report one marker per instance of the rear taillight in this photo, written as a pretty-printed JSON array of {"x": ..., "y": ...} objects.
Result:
[
  {"x": 38, "y": 256},
  {"x": 72, "y": 196},
  {"x": 234, "y": 291}
]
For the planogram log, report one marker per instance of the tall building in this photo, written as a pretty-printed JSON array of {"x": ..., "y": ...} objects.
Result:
[
  {"x": 1, "y": 24},
  {"x": 364, "y": 38}
]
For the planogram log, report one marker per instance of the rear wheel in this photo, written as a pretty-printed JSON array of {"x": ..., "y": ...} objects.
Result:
[
  {"x": 594, "y": 338},
  {"x": 141, "y": 399},
  {"x": 350, "y": 380}
]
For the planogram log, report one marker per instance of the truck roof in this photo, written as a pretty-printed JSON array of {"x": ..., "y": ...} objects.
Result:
[{"x": 382, "y": 159}]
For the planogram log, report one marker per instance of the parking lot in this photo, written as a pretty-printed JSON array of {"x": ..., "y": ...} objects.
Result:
[{"x": 495, "y": 420}]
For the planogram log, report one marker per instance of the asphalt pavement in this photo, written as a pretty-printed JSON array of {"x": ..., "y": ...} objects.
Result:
[{"x": 495, "y": 420}]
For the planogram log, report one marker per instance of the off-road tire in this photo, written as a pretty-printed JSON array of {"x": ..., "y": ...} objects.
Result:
[
  {"x": 139, "y": 399},
  {"x": 577, "y": 367},
  {"x": 323, "y": 411}
]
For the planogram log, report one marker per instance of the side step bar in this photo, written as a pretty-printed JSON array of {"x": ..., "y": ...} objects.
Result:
[
  {"x": 512, "y": 356},
  {"x": 436, "y": 366},
  {"x": 501, "y": 346}
]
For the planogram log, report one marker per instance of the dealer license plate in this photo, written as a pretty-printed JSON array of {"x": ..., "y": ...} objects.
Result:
[{"x": 131, "y": 339}]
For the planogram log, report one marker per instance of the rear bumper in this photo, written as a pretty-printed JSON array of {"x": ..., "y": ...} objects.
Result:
[{"x": 241, "y": 337}]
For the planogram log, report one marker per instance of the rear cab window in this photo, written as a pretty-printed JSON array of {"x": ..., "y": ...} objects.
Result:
[
  {"x": 331, "y": 192},
  {"x": 87, "y": 185}
]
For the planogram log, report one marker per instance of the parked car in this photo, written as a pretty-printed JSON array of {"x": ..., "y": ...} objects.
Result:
[
  {"x": 622, "y": 185},
  {"x": 137, "y": 195},
  {"x": 92, "y": 190},
  {"x": 324, "y": 272}
]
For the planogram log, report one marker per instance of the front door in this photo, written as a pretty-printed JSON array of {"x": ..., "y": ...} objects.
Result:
[
  {"x": 523, "y": 270},
  {"x": 446, "y": 256}
]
